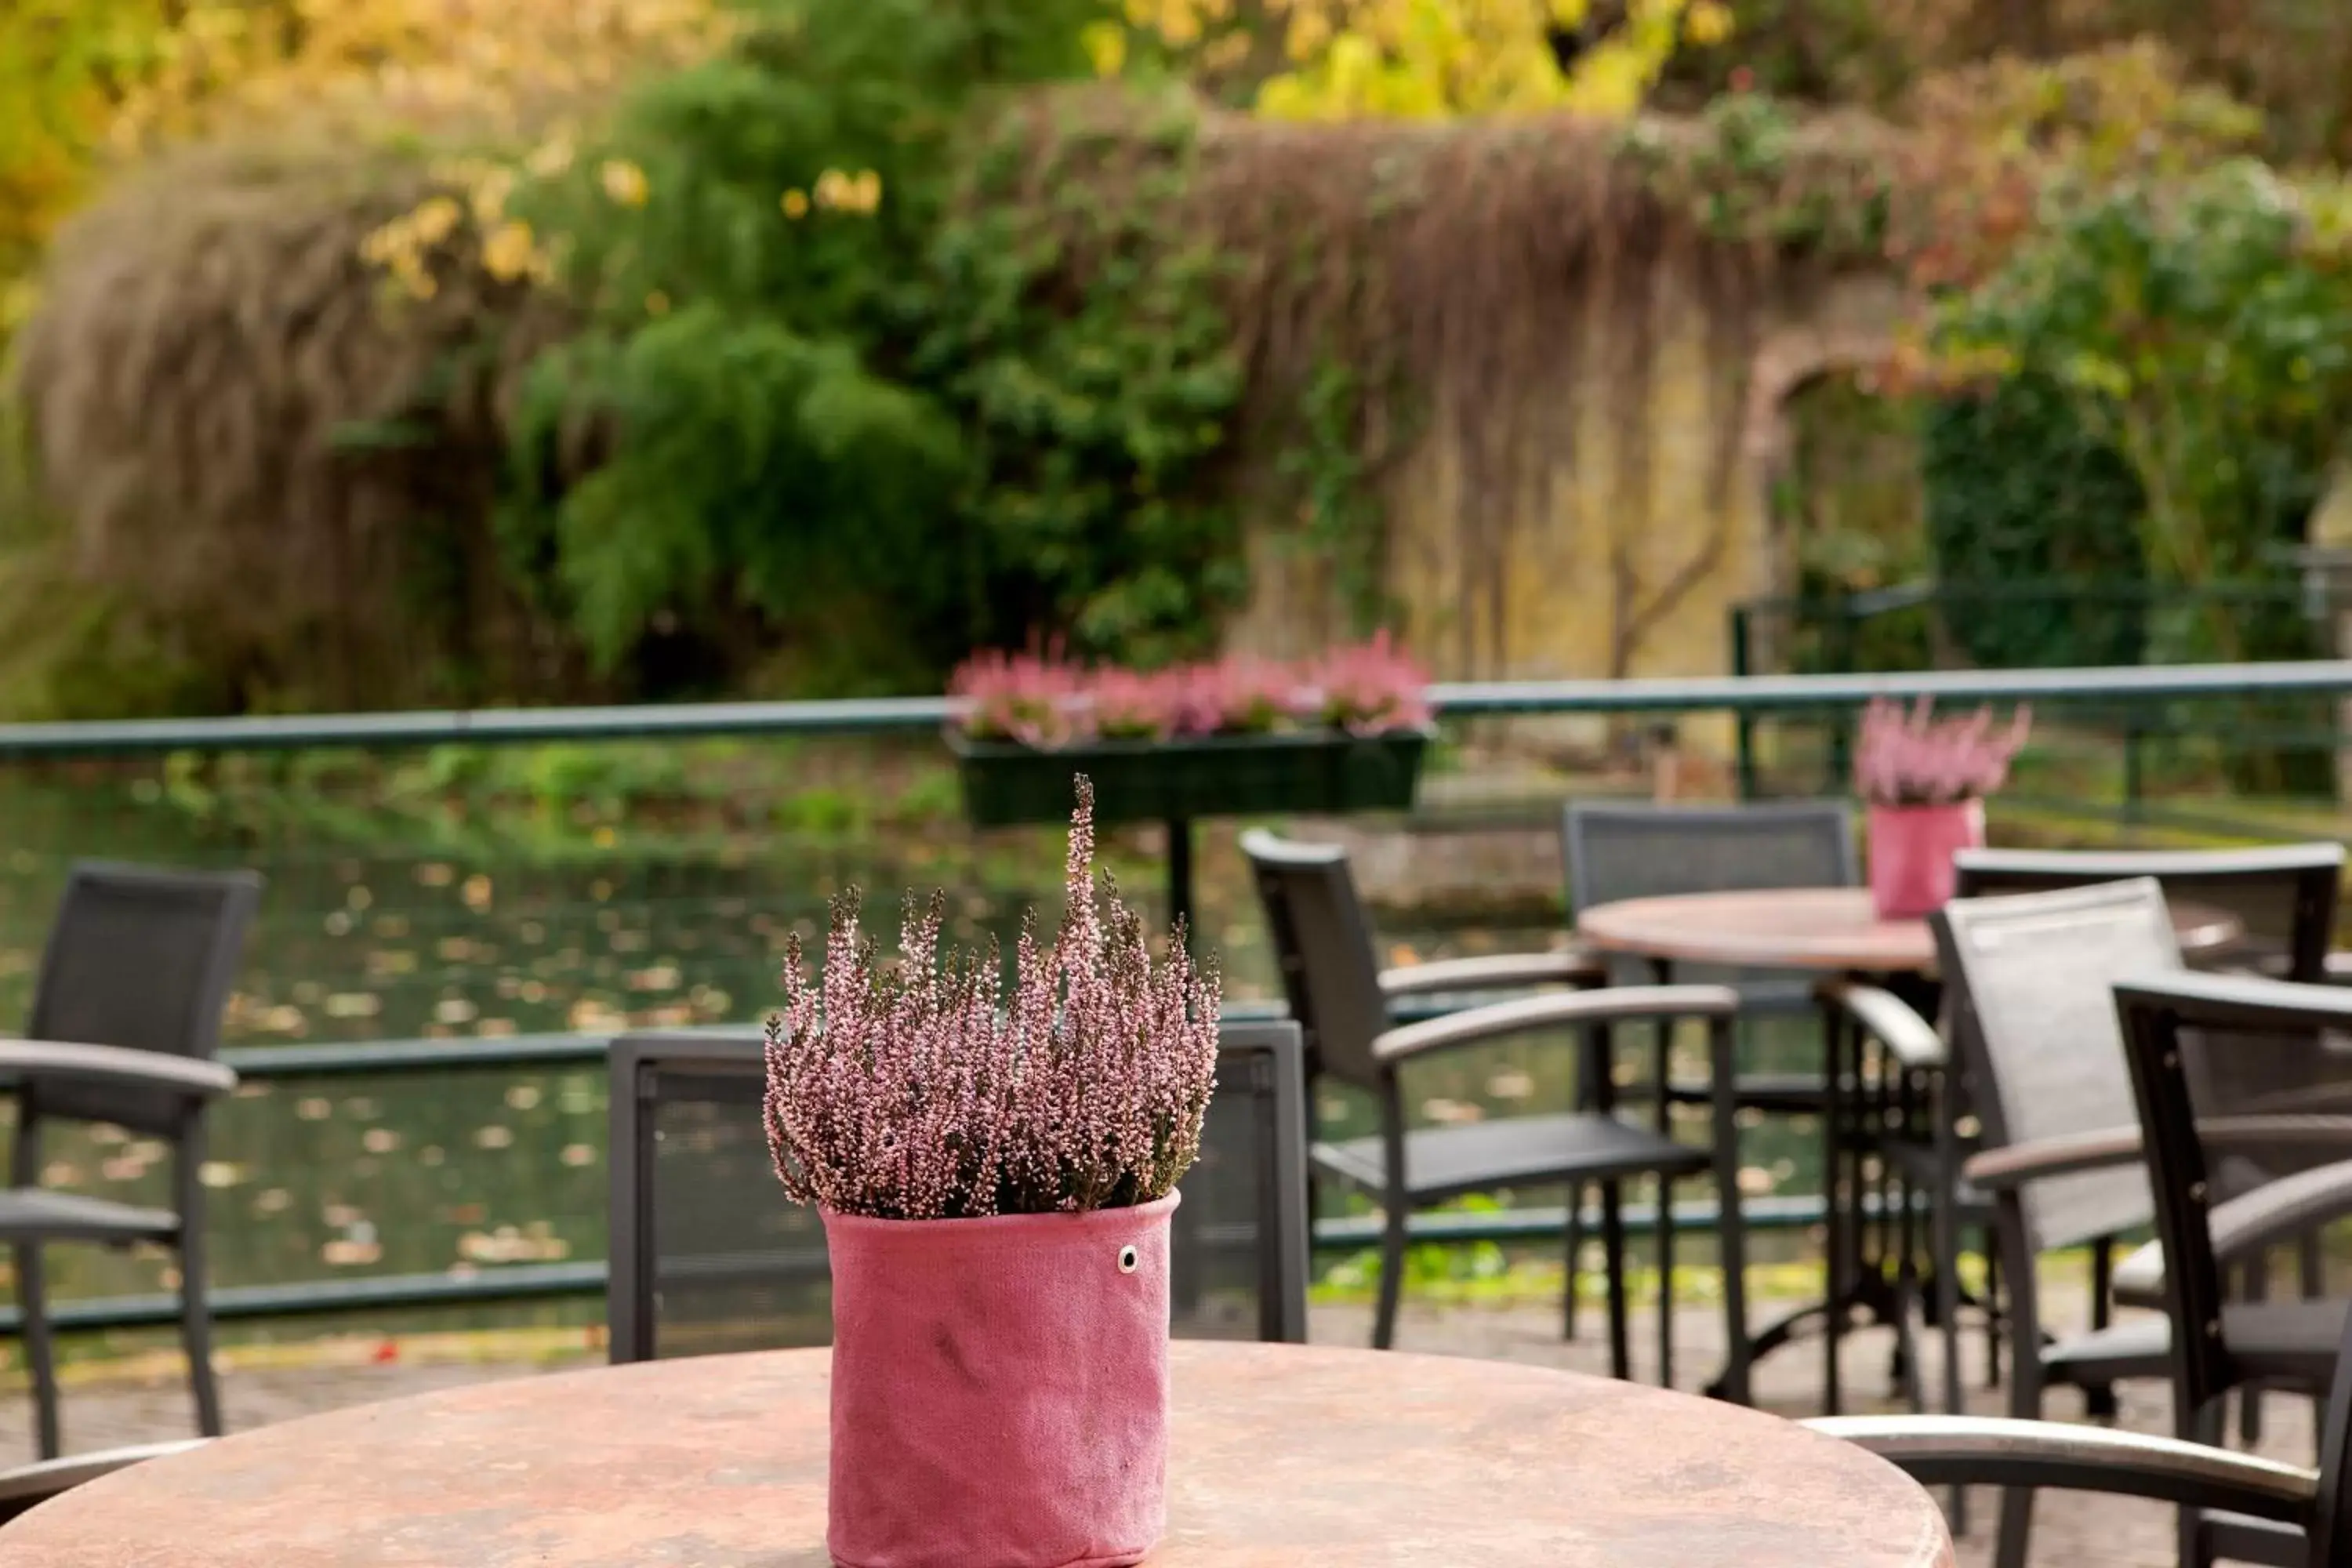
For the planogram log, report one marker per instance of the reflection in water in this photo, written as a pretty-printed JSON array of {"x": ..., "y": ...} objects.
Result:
[{"x": 348, "y": 1177}]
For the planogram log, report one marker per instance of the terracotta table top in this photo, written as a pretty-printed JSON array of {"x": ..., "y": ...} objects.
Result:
[
  {"x": 1832, "y": 929},
  {"x": 1282, "y": 1454}
]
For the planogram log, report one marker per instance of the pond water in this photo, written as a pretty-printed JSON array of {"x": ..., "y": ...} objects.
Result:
[{"x": 497, "y": 930}]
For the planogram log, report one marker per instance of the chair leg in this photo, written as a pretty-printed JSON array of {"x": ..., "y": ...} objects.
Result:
[
  {"x": 2017, "y": 1502},
  {"x": 2207, "y": 1427},
  {"x": 1665, "y": 1282},
  {"x": 1993, "y": 1344},
  {"x": 2099, "y": 1401},
  {"x": 40, "y": 1355},
  {"x": 1392, "y": 1235},
  {"x": 1612, "y": 1241},
  {"x": 196, "y": 1338},
  {"x": 1731, "y": 1249},
  {"x": 2250, "y": 1398},
  {"x": 1575, "y": 1249}
]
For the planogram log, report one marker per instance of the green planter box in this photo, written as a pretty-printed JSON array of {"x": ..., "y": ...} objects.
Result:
[{"x": 1168, "y": 781}]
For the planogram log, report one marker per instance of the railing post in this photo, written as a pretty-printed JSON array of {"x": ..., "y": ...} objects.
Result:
[
  {"x": 2133, "y": 783},
  {"x": 1743, "y": 721}
]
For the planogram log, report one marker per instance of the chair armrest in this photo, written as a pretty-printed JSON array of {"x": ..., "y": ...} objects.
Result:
[
  {"x": 2274, "y": 1212},
  {"x": 1963, "y": 1450},
  {"x": 57, "y": 1061},
  {"x": 1890, "y": 1020},
  {"x": 1505, "y": 972},
  {"x": 28, "y": 1486},
  {"x": 2015, "y": 1165},
  {"x": 1613, "y": 1005}
]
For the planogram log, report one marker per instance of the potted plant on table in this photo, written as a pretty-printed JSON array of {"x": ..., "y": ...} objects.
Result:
[
  {"x": 1238, "y": 736},
  {"x": 995, "y": 1175},
  {"x": 1924, "y": 781}
]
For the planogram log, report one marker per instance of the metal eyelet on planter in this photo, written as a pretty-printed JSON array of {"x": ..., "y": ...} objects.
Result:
[{"x": 1128, "y": 1259}]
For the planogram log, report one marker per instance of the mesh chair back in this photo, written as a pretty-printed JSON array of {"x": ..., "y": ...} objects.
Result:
[
  {"x": 2160, "y": 1017},
  {"x": 1240, "y": 1235},
  {"x": 142, "y": 960},
  {"x": 2029, "y": 980},
  {"x": 709, "y": 1256},
  {"x": 1323, "y": 945},
  {"x": 1632, "y": 850},
  {"x": 2285, "y": 896}
]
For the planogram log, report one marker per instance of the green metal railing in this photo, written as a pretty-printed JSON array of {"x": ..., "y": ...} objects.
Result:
[
  {"x": 1753, "y": 695},
  {"x": 510, "y": 1283},
  {"x": 1748, "y": 700}
]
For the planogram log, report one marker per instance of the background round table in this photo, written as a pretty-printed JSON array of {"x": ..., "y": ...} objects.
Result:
[
  {"x": 1280, "y": 1455},
  {"x": 1832, "y": 929}
]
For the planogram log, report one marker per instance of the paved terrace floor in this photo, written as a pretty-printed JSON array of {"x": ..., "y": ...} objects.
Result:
[{"x": 2071, "y": 1531}]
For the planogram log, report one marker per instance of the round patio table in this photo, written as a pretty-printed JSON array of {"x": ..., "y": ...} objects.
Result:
[
  {"x": 1280, "y": 1454},
  {"x": 1835, "y": 930},
  {"x": 1829, "y": 931}
]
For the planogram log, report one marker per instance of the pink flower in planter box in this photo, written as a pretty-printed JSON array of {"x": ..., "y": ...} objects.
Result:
[
  {"x": 1910, "y": 757},
  {"x": 1128, "y": 706},
  {"x": 1242, "y": 694},
  {"x": 1371, "y": 688},
  {"x": 1034, "y": 699}
]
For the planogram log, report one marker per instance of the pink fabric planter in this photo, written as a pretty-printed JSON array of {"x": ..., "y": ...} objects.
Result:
[
  {"x": 1911, "y": 850},
  {"x": 1000, "y": 1389}
]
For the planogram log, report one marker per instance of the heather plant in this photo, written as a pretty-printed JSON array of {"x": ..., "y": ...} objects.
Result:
[
  {"x": 1910, "y": 757},
  {"x": 1370, "y": 689},
  {"x": 1032, "y": 698},
  {"x": 920, "y": 1091},
  {"x": 1241, "y": 695},
  {"x": 1132, "y": 707}
]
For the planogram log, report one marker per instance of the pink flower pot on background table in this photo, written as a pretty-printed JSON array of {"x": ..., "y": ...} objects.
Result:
[{"x": 1911, "y": 852}]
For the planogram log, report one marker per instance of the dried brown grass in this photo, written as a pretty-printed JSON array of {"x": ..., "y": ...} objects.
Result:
[
  {"x": 209, "y": 337},
  {"x": 207, "y": 385}
]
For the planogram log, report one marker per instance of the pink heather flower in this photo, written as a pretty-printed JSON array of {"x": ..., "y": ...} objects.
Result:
[
  {"x": 919, "y": 1091},
  {"x": 1907, "y": 757},
  {"x": 1132, "y": 707},
  {"x": 1242, "y": 695},
  {"x": 1034, "y": 699},
  {"x": 1371, "y": 688}
]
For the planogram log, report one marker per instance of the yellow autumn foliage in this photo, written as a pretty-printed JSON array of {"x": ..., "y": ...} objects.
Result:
[
  {"x": 1432, "y": 59},
  {"x": 88, "y": 84}
]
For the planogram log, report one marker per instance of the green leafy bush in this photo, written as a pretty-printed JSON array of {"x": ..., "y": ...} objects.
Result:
[{"x": 842, "y": 374}]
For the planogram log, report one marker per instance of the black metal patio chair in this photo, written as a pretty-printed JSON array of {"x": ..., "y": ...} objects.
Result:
[
  {"x": 1631, "y": 850},
  {"x": 1336, "y": 991},
  {"x": 709, "y": 1256},
  {"x": 27, "y": 1487},
  {"x": 2235, "y": 1507},
  {"x": 126, "y": 1016}
]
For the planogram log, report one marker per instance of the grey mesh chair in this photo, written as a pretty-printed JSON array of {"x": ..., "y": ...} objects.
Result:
[
  {"x": 27, "y": 1487},
  {"x": 1336, "y": 990},
  {"x": 2026, "y": 990},
  {"x": 2285, "y": 896},
  {"x": 709, "y": 1256},
  {"x": 126, "y": 1018},
  {"x": 1619, "y": 850}
]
